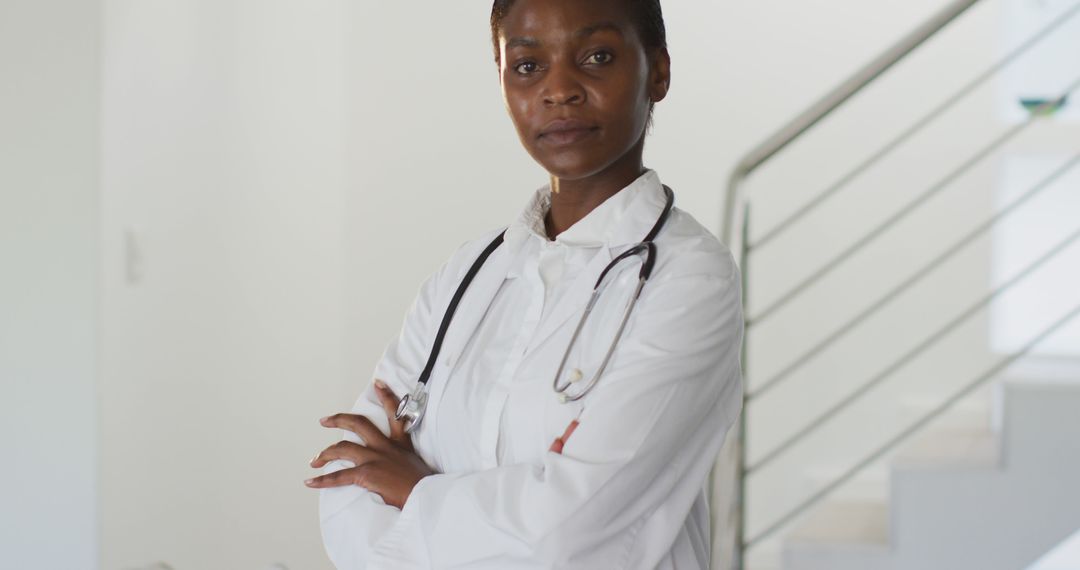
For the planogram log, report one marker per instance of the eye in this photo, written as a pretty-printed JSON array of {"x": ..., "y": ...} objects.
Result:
[
  {"x": 525, "y": 67},
  {"x": 600, "y": 57}
]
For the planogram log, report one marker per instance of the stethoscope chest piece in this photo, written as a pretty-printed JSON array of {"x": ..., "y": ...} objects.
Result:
[{"x": 412, "y": 406}]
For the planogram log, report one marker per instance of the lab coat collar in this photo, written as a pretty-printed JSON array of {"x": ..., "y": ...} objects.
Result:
[
  {"x": 622, "y": 219},
  {"x": 645, "y": 204}
]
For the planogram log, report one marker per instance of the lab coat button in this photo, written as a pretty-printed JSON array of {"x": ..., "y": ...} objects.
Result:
[{"x": 576, "y": 375}]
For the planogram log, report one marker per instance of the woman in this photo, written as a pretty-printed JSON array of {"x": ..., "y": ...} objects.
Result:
[{"x": 502, "y": 472}]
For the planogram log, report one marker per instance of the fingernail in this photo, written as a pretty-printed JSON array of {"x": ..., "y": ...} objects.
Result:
[
  {"x": 380, "y": 384},
  {"x": 324, "y": 420},
  {"x": 309, "y": 481}
]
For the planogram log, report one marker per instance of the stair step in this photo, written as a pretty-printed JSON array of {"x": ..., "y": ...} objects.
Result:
[
  {"x": 840, "y": 535},
  {"x": 871, "y": 485},
  {"x": 864, "y": 522},
  {"x": 978, "y": 449},
  {"x": 971, "y": 413}
]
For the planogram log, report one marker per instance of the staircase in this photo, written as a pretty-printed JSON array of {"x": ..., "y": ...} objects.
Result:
[
  {"x": 954, "y": 493},
  {"x": 885, "y": 426}
]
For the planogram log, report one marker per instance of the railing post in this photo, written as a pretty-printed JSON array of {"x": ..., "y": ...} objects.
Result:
[{"x": 740, "y": 464}]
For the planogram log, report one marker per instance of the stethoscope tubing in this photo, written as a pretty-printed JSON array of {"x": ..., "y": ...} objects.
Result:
[
  {"x": 414, "y": 405},
  {"x": 561, "y": 390}
]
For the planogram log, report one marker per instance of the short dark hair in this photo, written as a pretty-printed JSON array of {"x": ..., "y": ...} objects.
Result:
[{"x": 647, "y": 15}]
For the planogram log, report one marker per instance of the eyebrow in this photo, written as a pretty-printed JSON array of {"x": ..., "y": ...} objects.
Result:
[
  {"x": 582, "y": 33},
  {"x": 590, "y": 30}
]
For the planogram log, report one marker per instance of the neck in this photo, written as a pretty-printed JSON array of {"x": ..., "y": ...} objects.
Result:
[{"x": 572, "y": 200}]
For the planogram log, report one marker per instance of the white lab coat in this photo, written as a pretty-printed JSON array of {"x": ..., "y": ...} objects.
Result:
[{"x": 628, "y": 490}]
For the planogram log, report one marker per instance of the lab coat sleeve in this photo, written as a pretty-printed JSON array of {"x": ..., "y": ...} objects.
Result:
[
  {"x": 647, "y": 438},
  {"x": 351, "y": 517}
]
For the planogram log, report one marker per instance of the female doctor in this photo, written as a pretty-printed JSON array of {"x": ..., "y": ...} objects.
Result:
[{"x": 531, "y": 437}]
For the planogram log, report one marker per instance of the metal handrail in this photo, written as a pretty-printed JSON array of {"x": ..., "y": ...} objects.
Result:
[
  {"x": 829, "y": 103},
  {"x": 739, "y": 555},
  {"x": 913, "y": 428},
  {"x": 910, "y": 207},
  {"x": 883, "y": 301},
  {"x": 780, "y": 140},
  {"x": 911, "y": 354},
  {"x": 915, "y": 128}
]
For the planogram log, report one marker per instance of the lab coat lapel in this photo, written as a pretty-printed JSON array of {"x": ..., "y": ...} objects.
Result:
[
  {"x": 642, "y": 212},
  {"x": 474, "y": 304},
  {"x": 576, "y": 297}
]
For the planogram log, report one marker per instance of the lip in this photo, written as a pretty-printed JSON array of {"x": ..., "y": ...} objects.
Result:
[{"x": 566, "y": 131}]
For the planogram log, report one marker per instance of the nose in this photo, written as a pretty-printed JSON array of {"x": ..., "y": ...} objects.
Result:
[{"x": 562, "y": 86}]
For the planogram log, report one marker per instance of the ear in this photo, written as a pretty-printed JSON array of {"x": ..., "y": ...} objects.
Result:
[{"x": 659, "y": 75}]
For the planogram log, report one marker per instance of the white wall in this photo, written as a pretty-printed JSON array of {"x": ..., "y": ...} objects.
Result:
[
  {"x": 49, "y": 65},
  {"x": 224, "y": 286}
]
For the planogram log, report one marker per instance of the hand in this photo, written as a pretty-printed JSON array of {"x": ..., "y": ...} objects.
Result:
[{"x": 387, "y": 466}]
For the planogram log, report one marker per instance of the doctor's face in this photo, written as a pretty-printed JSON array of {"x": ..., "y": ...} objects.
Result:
[{"x": 577, "y": 83}]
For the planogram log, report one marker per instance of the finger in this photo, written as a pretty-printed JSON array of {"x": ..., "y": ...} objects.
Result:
[
  {"x": 390, "y": 405},
  {"x": 351, "y": 476},
  {"x": 347, "y": 450},
  {"x": 374, "y": 477},
  {"x": 373, "y": 437}
]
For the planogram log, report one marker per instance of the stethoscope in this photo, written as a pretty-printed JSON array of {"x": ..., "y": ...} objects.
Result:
[{"x": 413, "y": 405}]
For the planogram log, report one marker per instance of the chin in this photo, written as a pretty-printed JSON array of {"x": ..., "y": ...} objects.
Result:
[{"x": 572, "y": 166}]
